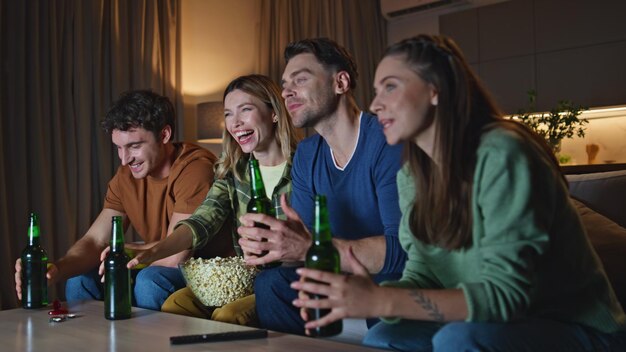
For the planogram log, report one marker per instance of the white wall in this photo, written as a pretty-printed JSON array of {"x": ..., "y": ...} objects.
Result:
[{"x": 219, "y": 43}]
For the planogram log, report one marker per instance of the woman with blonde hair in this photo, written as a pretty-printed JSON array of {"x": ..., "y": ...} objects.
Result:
[
  {"x": 498, "y": 259},
  {"x": 256, "y": 123}
]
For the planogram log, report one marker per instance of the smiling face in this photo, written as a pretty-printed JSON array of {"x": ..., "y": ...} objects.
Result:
[
  {"x": 249, "y": 121},
  {"x": 308, "y": 90},
  {"x": 404, "y": 102},
  {"x": 139, "y": 149}
]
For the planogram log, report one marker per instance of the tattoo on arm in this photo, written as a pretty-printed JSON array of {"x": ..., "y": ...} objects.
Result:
[{"x": 425, "y": 302}]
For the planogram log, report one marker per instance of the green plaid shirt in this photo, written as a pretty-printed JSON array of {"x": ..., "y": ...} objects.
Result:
[{"x": 229, "y": 197}]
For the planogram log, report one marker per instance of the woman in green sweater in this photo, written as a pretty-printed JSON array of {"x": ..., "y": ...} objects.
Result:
[{"x": 497, "y": 256}]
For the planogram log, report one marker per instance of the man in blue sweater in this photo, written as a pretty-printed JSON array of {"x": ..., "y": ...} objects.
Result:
[{"x": 349, "y": 161}]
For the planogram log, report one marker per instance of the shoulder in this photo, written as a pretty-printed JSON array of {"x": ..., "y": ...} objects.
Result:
[
  {"x": 499, "y": 138},
  {"x": 190, "y": 152},
  {"x": 373, "y": 146},
  {"x": 373, "y": 136},
  {"x": 307, "y": 149},
  {"x": 309, "y": 144},
  {"x": 192, "y": 156},
  {"x": 503, "y": 150},
  {"x": 406, "y": 186},
  {"x": 193, "y": 164},
  {"x": 371, "y": 127}
]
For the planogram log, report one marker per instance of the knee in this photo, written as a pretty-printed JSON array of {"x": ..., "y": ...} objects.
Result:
[
  {"x": 457, "y": 336},
  {"x": 379, "y": 336},
  {"x": 152, "y": 287},
  {"x": 184, "y": 302},
  {"x": 83, "y": 287},
  {"x": 266, "y": 280},
  {"x": 271, "y": 284},
  {"x": 178, "y": 302},
  {"x": 147, "y": 276},
  {"x": 241, "y": 312}
]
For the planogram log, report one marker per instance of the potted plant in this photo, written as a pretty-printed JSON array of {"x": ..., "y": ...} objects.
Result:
[{"x": 560, "y": 122}]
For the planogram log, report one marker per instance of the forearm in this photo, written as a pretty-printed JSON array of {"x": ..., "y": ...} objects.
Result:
[
  {"x": 172, "y": 250},
  {"x": 416, "y": 304},
  {"x": 370, "y": 251},
  {"x": 173, "y": 260},
  {"x": 83, "y": 256}
]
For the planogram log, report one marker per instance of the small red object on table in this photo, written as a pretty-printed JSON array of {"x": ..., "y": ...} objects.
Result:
[{"x": 57, "y": 308}]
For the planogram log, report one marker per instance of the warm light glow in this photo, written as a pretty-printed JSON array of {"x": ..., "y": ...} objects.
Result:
[
  {"x": 210, "y": 140},
  {"x": 214, "y": 49},
  {"x": 591, "y": 114},
  {"x": 604, "y": 112}
]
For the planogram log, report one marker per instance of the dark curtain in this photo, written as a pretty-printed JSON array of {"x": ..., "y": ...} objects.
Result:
[
  {"x": 355, "y": 24},
  {"x": 63, "y": 63}
]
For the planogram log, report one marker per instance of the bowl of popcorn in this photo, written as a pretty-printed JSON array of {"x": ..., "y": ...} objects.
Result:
[{"x": 219, "y": 281}]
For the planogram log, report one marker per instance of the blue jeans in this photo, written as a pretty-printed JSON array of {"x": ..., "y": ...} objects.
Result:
[
  {"x": 524, "y": 335},
  {"x": 151, "y": 286},
  {"x": 273, "y": 300},
  {"x": 274, "y": 296}
]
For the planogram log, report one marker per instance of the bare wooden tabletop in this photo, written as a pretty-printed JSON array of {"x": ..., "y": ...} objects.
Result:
[{"x": 30, "y": 330}]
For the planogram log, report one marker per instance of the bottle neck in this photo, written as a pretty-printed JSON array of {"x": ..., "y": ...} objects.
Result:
[
  {"x": 321, "y": 227},
  {"x": 33, "y": 230},
  {"x": 117, "y": 235},
  {"x": 257, "y": 188}
]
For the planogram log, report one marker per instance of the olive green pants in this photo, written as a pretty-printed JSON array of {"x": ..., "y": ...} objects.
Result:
[{"x": 184, "y": 302}]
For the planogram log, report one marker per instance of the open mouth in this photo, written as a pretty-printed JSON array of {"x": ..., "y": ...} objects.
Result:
[
  {"x": 244, "y": 137},
  {"x": 136, "y": 167},
  {"x": 386, "y": 123}
]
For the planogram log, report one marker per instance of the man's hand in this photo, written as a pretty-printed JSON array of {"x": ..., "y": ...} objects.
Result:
[
  {"x": 103, "y": 256},
  {"x": 285, "y": 240},
  {"x": 52, "y": 275}
]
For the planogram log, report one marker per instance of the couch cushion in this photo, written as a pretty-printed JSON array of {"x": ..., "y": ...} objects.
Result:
[
  {"x": 609, "y": 241},
  {"x": 604, "y": 192}
]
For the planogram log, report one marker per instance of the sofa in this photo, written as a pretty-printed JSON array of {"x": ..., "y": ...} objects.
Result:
[{"x": 601, "y": 202}]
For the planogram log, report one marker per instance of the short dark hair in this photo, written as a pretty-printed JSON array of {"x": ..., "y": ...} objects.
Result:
[
  {"x": 140, "y": 108},
  {"x": 328, "y": 53}
]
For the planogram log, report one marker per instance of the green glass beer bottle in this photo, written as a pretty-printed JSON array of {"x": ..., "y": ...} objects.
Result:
[
  {"x": 322, "y": 255},
  {"x": 117, "y": 276},
  {"x": 34, "y": 268},
  {"x": 259, "y": 204}
]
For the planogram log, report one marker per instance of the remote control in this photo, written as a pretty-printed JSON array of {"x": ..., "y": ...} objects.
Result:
[{"x": 219, "y": 336}]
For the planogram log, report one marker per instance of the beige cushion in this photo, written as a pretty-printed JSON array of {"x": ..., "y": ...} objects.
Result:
[{"x": 609, "y": 241}]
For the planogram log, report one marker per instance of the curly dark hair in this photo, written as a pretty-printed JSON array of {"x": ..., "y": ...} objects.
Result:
[
  {"x": 328, "y": 53},
  {"x": 140, "y": 108}
]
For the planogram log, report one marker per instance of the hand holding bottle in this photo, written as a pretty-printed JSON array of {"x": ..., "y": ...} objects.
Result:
[
  {"x": 346, "y": 295},
  {"x": 51, "y": 276},
  {"x": 287, "y": 240},
  {"x": 32, "y": 269}
]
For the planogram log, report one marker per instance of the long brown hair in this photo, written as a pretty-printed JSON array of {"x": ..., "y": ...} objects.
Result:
[
  {"x": 442, "y": 212},
  {"x": 269, "y": 93}
]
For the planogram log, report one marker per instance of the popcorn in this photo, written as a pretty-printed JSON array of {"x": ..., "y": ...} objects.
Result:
[{"x": 219, "y": 281}]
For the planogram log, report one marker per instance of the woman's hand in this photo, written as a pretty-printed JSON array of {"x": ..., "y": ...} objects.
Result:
[
  {"x": 347, "y": 295},
  {"x": 142, "y": 253}
]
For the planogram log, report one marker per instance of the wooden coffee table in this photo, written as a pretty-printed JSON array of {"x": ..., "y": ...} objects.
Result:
[{"x": 147, "y": 330}]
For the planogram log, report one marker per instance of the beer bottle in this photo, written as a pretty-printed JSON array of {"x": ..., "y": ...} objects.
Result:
[
  {"x": 259, "y": 204},
  {"x": 34, "y": 268},
  {"x": 117, "y": 276},
  {"x": 322, "y": 255}
]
